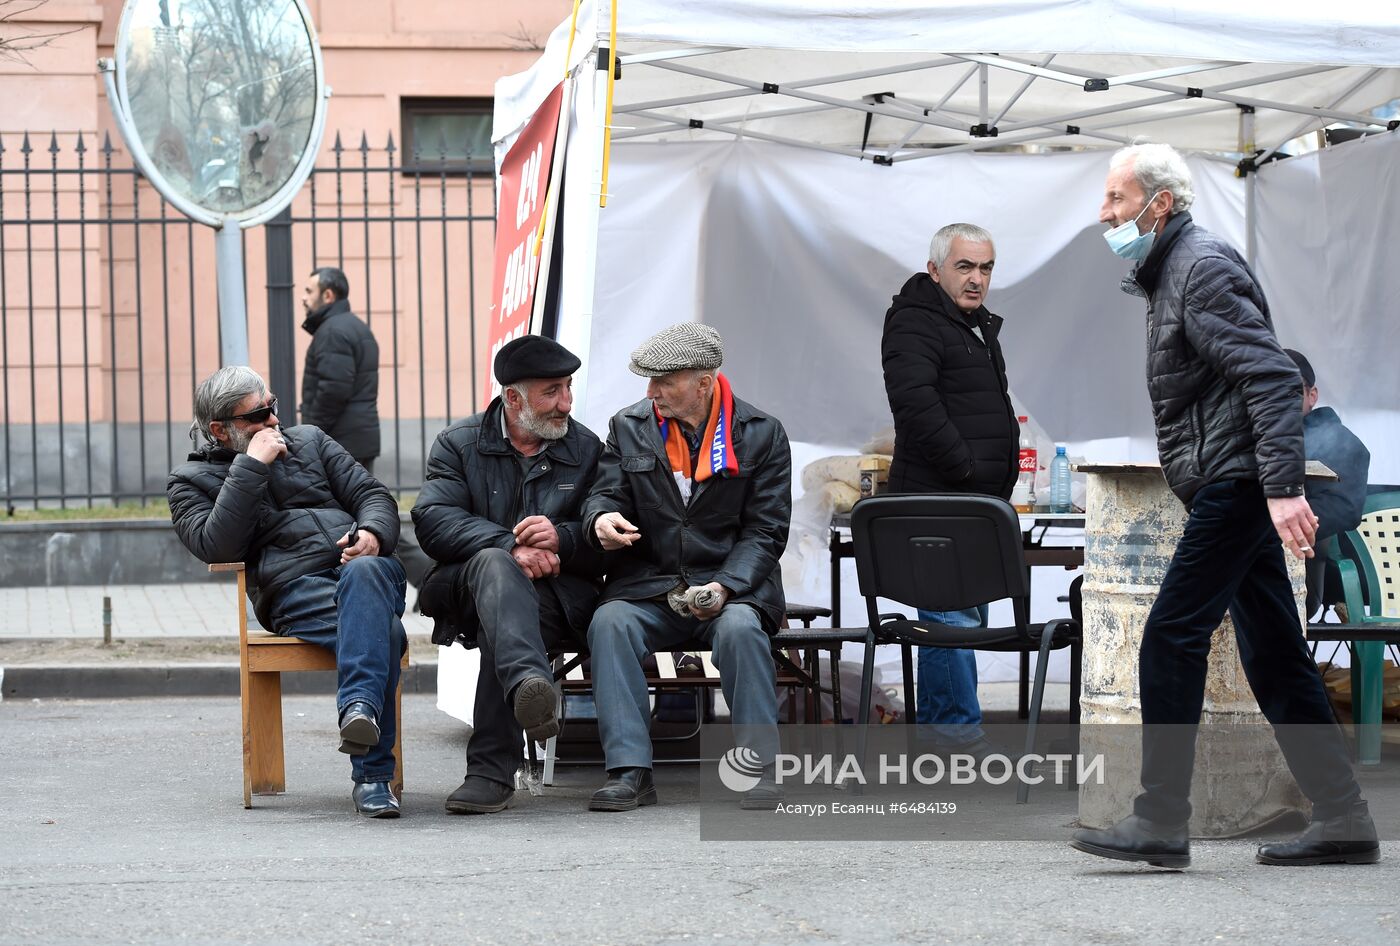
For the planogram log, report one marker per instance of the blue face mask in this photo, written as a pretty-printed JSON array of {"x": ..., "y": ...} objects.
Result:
[{"x": 1125, "y": 241}]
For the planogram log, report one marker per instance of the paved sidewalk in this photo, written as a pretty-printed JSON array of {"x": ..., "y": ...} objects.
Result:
[
  {"x": 198, "y": 609},
  {"x": 139, "y": 836}
]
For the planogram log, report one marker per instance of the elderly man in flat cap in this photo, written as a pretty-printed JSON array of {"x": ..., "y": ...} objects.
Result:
[
  {"x": 500, "y": 513},
  {"x": 692, "y": 503}
]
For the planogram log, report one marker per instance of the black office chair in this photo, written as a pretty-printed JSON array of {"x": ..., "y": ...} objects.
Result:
[{"x": 943, "y": 553}]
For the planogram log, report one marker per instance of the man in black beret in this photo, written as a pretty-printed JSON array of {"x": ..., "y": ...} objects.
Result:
[{"x": 500, "y": 513}]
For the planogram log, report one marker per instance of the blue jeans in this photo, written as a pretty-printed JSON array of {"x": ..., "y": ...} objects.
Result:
[
  {"x": 947, "y": 682},
  {"x": 622, "y": 633},
  {"x": 353, "y": 611}
]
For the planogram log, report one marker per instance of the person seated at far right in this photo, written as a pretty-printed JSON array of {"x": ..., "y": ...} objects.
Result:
[{"x": 1338, "y": 504}]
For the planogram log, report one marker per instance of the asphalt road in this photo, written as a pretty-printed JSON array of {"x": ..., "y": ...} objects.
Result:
[{"x": 121, "y": 822}]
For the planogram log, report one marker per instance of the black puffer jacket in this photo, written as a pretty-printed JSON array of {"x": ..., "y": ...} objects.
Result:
[
  {"x": 340, "y": 382},
  {"x": 732, "y": 531},
  {"x": 954, "y": 427},
  {"x": 474, "y": 495},
  {"x": 282, "y": 519},
  {"x": 1226, "y": 399}
]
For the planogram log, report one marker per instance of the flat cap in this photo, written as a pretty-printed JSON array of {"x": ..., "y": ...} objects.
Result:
[
  {"x": 683, "y": 345},
  {"x": 1304, "y": 366},
  {"x": 534, "y": 356}
]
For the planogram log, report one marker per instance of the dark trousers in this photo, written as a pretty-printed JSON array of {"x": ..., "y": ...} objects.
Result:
[
  {"x": 353, "y": 611},
  {"x": 520, "y": 620},
  {"x": 1230, "y": 557}
]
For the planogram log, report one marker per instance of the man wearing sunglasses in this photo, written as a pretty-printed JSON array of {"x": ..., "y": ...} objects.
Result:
[{"x": 317, "y": 535}]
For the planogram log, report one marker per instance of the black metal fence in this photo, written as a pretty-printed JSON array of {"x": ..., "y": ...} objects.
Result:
[{"x": 108, "y": 307}]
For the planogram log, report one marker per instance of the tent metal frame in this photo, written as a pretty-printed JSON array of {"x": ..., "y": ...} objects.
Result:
[{"x": 988, "y": 131}]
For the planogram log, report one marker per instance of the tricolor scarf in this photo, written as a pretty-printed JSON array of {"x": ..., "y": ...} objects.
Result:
[{"x": 718, "y": 435}]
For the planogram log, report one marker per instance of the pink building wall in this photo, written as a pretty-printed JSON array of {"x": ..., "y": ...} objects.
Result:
[{"x": 375, "y": 52}]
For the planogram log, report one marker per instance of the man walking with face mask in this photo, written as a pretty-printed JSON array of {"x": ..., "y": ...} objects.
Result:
[{"x": 1225, "y": 400}]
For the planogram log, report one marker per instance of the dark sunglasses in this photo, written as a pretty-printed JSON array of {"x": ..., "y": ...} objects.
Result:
[{"x": 254, "y": 417}]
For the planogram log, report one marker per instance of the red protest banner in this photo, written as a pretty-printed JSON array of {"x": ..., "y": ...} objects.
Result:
[{"x": 524, "y": 183}]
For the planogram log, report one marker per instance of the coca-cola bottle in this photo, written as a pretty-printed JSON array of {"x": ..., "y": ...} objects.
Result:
[{"x": 1023, "y": 496}]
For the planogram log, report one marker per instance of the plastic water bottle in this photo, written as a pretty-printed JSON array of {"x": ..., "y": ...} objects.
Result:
[
  {"x": 1059, "y": 481},
  {"x": 1023, "y": 495}
]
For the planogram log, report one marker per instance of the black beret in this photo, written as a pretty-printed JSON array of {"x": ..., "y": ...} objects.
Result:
[
  {"x": 1304, "y": 366},
  {"x": 534, "y": 356}
]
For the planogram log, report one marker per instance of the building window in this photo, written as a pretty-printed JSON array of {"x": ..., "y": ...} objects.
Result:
[{"x": 451, "y": 135}]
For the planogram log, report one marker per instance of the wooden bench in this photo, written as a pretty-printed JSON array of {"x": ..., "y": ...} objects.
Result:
[
  {"x": 695, "y": 669},
  {"x": 262, "y": 659}
]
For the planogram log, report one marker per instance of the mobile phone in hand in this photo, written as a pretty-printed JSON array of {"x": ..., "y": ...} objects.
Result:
[{"x": 353, "y": 535}]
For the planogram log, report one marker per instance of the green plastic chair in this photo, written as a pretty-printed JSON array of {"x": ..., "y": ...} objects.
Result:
[{"x": 1369, "y": 558}]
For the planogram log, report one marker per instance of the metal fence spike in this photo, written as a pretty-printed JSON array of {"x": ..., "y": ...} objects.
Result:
[
  {"x": 390, "y": 146},
  {"x": 364, "y": 143},
  {"x": 107, "y": 148},
  {"x": 53, "y": 143},
  {"x": 25, "y": 148},
  {"x": 337, "y": 147},
  {"x": 80, "y": 147}
]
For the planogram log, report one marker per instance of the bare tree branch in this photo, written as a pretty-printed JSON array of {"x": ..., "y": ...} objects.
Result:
[
  {"x": 15, "y": 47},
  {"x": 523, "y": 39}
]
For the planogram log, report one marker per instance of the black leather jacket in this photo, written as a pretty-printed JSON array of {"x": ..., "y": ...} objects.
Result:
[
  {"x": 1226, "y": 400},
  {"x": 282, "y": 519},
  {"x": 475, "y": 493},
  {"x": 732, "y": 531}
]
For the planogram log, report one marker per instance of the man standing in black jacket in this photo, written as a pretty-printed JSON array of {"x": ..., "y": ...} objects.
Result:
[
  {"x": 955, "y": 431},
  {"x": 340, "y": 380},
  {"x": 317, "y": 535},
  {"x": 500, "y": 512},
  {"x": 1230, "y": 436},
  {"x": 693, "y": 504}
]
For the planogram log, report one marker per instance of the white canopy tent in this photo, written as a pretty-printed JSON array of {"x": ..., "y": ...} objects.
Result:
[{"x": 777, "y": 168}]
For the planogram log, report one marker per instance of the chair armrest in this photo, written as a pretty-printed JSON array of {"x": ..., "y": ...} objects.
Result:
[{"x": 226, "y": 567}]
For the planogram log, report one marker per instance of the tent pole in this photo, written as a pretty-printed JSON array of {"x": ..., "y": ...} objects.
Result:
[
  {"x": 1250, "y": 209},
  {"x": 1247, "y": 150}
]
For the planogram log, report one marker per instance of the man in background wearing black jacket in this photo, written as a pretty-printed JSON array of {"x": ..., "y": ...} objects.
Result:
[
  {"x": 1230, "y": 437},
  {"x": 285, "y": 502},
  {"x": 500, "y": 510},
  {"x": 955, "y": 431},
  {"x": 340, "y": 380}
]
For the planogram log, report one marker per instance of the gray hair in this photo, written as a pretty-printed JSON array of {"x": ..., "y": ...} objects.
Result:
[
  {"x": 220, "y": 394},
  {"x": 943, "y": 240},
  {"x": 1157, "y": 168}
]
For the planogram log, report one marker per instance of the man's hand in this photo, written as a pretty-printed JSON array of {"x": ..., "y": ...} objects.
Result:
[
  {"x": 367, "y": 544},
  {"x": 705, "y": 614},
  {"x": 537, "y": 532},
  {"x": 615, "y": 532},
  {"x": 1295, "y": 522},
  {"x": 267, "y": 445},
  {"x": 535, "y": 563}
]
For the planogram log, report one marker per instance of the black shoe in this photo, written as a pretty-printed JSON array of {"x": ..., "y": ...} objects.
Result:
[
  {"x": 624, "y": 790},
  {"x": 766, "y": 795},
  {"x": 1345, "y": 839},
  {"x": 359, "y": 730},
  {"x": 479, "y": 796},
  {"x": 1137, "y": 839},
  {"x": 537, "y": 708},
  {"x": 375, "y": 800}
]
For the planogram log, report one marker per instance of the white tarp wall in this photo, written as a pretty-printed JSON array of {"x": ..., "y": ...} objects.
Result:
[{"x": 1328, "y": 227}]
